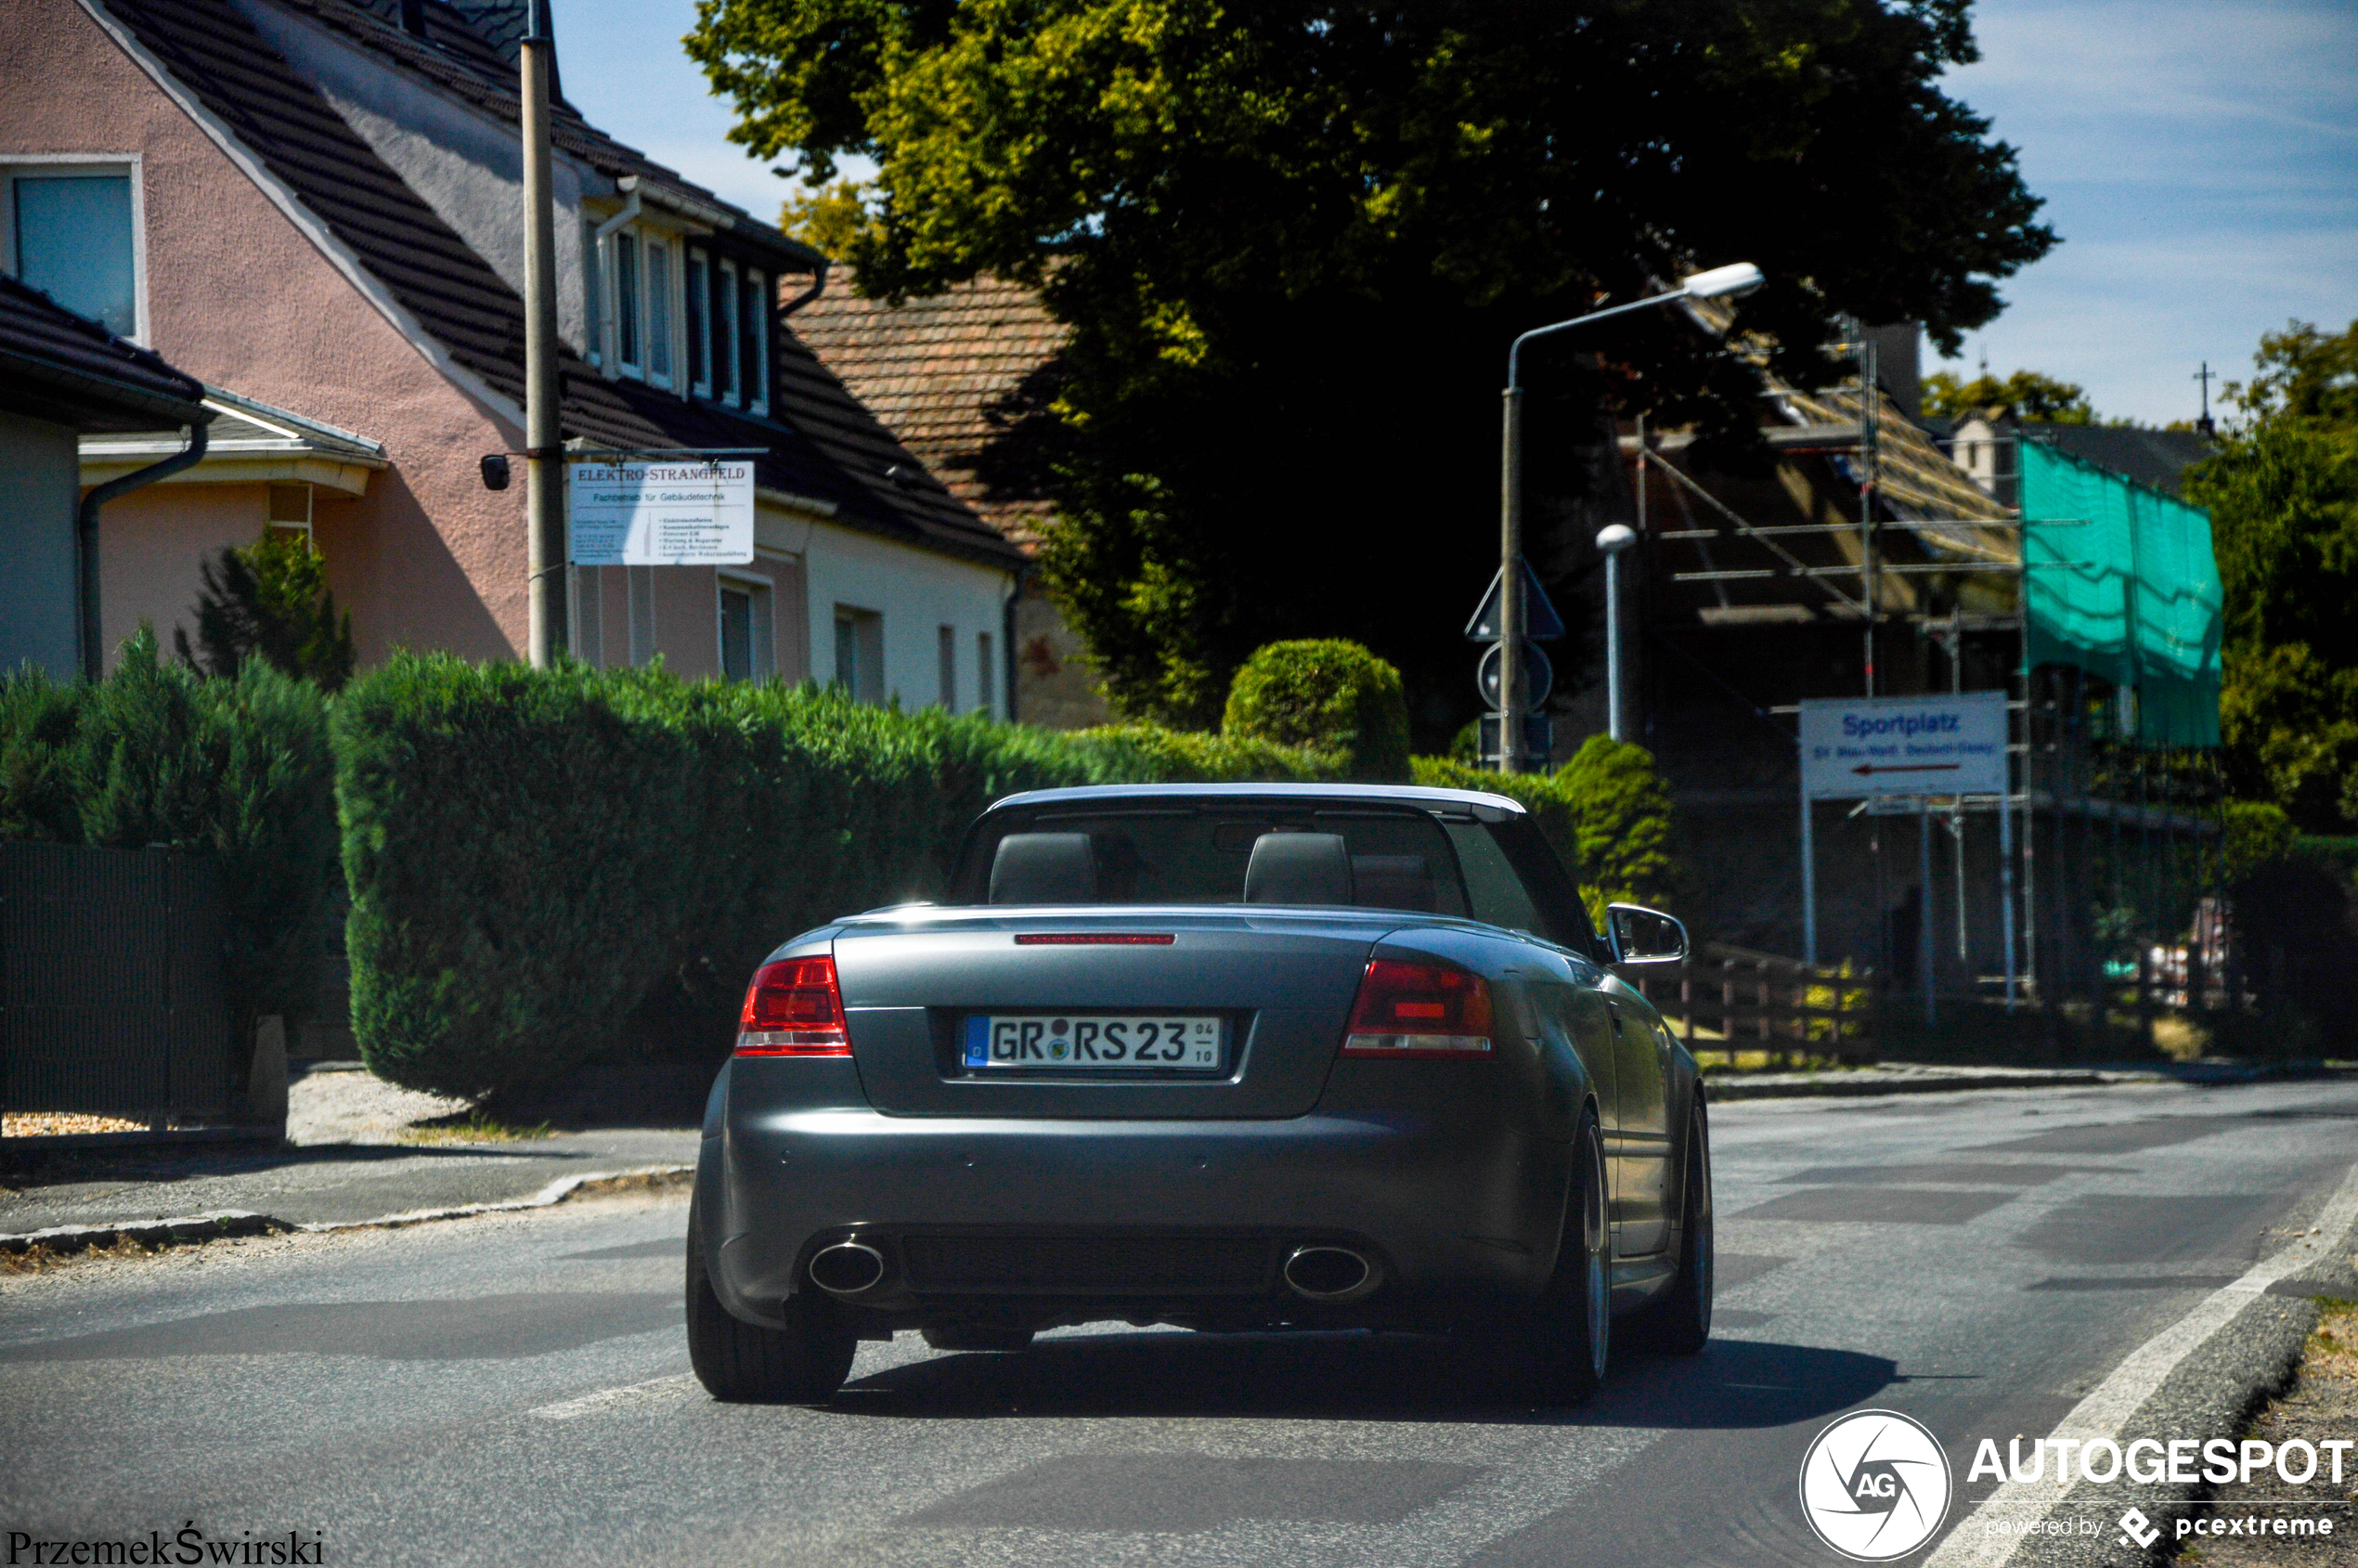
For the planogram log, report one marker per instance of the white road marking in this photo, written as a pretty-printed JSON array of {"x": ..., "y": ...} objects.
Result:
[
  {"x": 2103, "y": 1413},
  {"x": 606, "y": 1398}
]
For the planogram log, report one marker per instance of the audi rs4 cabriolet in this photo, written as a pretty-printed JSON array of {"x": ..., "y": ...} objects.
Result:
[{"x": 1231, "y": 1058}]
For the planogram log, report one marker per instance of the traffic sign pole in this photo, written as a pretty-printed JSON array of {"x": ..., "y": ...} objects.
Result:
[{"x": 1510, "y": 598}]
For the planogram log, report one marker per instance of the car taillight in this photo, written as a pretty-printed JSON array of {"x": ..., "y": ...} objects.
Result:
[
  {"x": 1418, "y": 1010},
  {"x": 792, "y": 1009}
]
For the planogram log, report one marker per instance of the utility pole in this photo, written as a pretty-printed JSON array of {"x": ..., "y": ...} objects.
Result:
[
  {"x": 2205, "y": 425},
  {"x": 1510, "y": 604},
  {"x": 543, "y": 436}
]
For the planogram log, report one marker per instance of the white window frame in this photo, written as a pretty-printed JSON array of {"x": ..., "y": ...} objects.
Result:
[
  {"x": 754, "y": 380},
  {"x": 651, "y": 244},
  {"x": 629, "y": 358},
  {"x": 132, "y": 164},
  {"x": 735, "y": 395},
  {"x": 696, "y": 329},
  {"x": 761, "y": 633}
]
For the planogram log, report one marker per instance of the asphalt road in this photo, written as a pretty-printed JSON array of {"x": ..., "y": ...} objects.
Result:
[{"x": 512, "y": 1388}]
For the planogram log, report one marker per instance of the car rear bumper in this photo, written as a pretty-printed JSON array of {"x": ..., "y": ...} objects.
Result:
[{"x": 1142, "y": 1217}]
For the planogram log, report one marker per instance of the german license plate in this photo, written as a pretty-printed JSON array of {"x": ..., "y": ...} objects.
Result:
[{"x": 1113, "y": 1042}]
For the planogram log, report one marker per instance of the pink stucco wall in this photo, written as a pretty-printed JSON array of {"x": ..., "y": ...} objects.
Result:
[{"x": 237, "y": 296}]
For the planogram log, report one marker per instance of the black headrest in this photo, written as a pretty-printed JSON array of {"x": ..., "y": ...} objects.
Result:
[
  {"x": 1045, "y": 868},
  {"x": 1298, "y": 868},
  {"x": 1393, "y": 881}
]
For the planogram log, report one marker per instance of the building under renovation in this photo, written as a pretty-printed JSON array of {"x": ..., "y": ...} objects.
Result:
[{"x": 1866, "y": 562}]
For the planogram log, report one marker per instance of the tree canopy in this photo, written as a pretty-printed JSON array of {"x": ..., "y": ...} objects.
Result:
[
  {"x": 1292, "y": 240},
  {"x": 2283, "y": 494},
  {"x": 2032, "y": 394}
]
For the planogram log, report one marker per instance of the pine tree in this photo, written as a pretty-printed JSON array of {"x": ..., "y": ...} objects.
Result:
[{"x": 270, "y": 601}]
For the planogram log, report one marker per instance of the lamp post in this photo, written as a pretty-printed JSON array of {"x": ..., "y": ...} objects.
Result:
[
  {"x": 1611, "y": 540},
  {"x": 1741, "y": 277}
]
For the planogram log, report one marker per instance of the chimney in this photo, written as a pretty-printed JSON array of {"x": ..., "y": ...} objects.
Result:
[
  {"x": 414, "y": 18},
  {"x": 1899, "y": 366}
]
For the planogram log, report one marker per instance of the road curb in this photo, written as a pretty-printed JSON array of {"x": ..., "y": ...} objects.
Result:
[
  {"x": 221, "y": 1224},
  {"x": 1913, "y": 1078},
  {"x": 1723, "y": 1091},
  {"x": 2213, "y": 1391}
]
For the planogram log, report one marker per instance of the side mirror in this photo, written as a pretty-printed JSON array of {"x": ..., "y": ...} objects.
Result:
[{"x": 1639, "y": 935}]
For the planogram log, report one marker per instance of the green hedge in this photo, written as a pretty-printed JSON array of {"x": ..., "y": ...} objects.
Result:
[
  {"x": 536, "y": 859},
  {"x": 235, "y": 770},
  {"x": 1606, "y": 811}
]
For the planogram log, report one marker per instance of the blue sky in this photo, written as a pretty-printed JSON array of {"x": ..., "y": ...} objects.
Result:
[{"x": 2200, "y": 160}]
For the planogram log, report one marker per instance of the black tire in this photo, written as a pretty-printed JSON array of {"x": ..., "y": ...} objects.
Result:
[
  {"x": 743, "y": 1363},
  {"x": 1679, "y": 1321},
  {"x": 1568, "y": 1336}
]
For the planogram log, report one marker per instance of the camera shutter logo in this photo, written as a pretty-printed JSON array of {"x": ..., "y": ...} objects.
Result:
[{"x": 1875, "y": 1485}]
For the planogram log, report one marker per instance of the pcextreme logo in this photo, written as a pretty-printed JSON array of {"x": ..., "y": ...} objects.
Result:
[{"x": 1874, "y": 1485}]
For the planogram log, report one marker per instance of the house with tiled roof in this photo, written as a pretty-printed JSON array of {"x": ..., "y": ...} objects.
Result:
[
  {"x": 1984, "y": 442},
  {"x": 63, "y": 378},
  {"x": 314, "y": 207},
  {"x": 966, "y": 379}
]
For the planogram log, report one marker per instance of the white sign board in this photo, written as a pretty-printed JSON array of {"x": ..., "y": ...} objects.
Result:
[
  {"x": 1853, "y": 748},
  {"x": 694, "y": 512}
]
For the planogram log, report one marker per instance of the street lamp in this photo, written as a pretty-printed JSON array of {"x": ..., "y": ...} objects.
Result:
[
  {"x": 1741, "y": 277},
  {"x": 1611, "y": 540}
]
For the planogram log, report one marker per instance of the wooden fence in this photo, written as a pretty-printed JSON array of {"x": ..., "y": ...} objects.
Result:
[{"x": 1731, "y": 999}]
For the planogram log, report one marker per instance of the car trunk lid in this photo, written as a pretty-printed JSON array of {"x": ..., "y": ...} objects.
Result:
[{"x": 1281, "y": 983}]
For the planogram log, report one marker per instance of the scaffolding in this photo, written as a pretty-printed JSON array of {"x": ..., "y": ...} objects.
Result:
[{"x": 2109, "y": 848}]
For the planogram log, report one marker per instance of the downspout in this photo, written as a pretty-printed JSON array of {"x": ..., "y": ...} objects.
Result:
[
  {"x": 93, "y": 657},
  {"x": 818, "y": 282}
]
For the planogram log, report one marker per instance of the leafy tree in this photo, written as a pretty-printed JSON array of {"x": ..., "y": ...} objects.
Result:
[
  {"x": 2283, "y": 494},
  {"x": 1292, "y": 240},
  {"x": 834, "y": 218},
  {"x": 269, "y": 600},
  {"x": 2032, "y": 395}
]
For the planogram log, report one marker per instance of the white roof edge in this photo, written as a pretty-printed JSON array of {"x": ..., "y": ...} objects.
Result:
[{"x": 260, "y": 412}]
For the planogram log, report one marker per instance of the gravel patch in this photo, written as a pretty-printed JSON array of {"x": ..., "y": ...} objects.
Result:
[{"x": 358, "y": 1107}]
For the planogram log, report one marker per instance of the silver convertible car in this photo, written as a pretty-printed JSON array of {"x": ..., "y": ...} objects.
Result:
[{"x": 1232, "y": 1057}]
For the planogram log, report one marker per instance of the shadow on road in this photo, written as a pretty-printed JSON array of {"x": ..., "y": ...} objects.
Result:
[{"x": 1736, "y": 1383}]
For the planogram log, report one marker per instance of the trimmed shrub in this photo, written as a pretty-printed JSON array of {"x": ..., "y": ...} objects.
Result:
[
  {"x": 236, "y": 769},
  {"x": 541, "y": 861},
  {"x": 1624, "y": 814},
  {"x": 1331, "y": 694},
  {"x": 1606, "y": 811}
]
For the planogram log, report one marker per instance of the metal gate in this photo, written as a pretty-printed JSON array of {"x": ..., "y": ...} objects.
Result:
[{"x": 113, "y": 1000}]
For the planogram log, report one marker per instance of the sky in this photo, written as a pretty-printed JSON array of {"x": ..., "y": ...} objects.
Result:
[{"x": 2199, "y": 160}]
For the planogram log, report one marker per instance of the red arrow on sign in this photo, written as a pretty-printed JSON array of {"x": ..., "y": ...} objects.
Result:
[{"x": 1909, "y": 768}]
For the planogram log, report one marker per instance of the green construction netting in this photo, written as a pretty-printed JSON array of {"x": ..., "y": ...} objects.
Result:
[{"x": 2139, "y": 558}]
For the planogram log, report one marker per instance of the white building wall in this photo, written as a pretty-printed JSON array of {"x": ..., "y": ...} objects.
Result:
[
  {"x": 40, "y": 490},
  {"x": 916, "y": 592}
]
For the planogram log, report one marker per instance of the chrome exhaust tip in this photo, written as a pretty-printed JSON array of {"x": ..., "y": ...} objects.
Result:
[
  {"x": 1331, "y": 1273},
  {"x": 847, "y": 1268}
]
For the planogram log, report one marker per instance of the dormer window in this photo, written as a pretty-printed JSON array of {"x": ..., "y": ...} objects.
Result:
[{"x": 674, "y": 315}]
